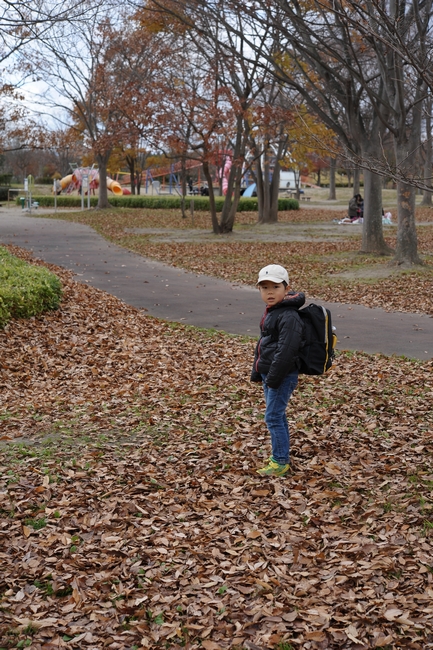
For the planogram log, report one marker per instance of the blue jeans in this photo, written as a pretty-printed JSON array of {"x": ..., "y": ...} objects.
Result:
[{"x": 275, "y": 416}]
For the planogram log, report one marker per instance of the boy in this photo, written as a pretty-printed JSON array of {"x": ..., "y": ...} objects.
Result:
[{"x": 276, "y": 359}]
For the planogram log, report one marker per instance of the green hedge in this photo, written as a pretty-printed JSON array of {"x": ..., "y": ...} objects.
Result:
[
  {"x": 25, "y": 290},
  {"x": 44, "y": 180},
  {"x": 66, "y": 201},
  {"x": 158, "y": 202}
]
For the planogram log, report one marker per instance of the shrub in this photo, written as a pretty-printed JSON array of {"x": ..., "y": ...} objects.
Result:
[
  {"x": 25, "y": 290},
  {"x": 6, "y": 179},
  {"x": 159, "y": 202},
  {"x": 4, "y": 193},
  {"x": 44, "y": 180},
  {"x": 66, "y": 201}
]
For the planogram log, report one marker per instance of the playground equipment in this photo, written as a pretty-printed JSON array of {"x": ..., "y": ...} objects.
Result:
[
  {"x": 228, "y": 161},
  {"x": 171, "y": 171},
  {"x": 75, "y": 180}
]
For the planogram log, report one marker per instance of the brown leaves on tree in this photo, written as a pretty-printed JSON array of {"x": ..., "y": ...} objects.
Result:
[{"x": 132, "y": 516}]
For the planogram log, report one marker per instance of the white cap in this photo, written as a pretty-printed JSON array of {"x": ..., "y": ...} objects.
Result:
[{"x": 273, "y": 273}]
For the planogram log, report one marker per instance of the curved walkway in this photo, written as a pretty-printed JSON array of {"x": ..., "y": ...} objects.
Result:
[{"x": 177, "y": 295}]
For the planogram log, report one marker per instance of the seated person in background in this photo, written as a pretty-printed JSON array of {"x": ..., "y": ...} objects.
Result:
[
  {"x": 387, "y": 218},
  {"x": 356, "y": 207}
]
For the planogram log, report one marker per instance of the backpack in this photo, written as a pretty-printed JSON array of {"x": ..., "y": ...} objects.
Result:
[{"x": 318, "y": 351}]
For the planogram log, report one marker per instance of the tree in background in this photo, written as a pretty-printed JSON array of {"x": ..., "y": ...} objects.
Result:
[
  {"x": 268, "y": 140},
  {"x": 22, "y": 25},
  {"x": 90, "y": 68},
  {"x": 319, "y": 57},
  {"x": 64, "y": 148},
  {"x": 399, "y": 37},
  {"x": 232, "y": 86},
  {"x": 24, "y": 21}
]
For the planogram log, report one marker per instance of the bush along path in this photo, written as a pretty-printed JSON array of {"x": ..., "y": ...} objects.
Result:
[
  {"x": 25, "y": 290},
  {"x": 157, "y": 202},
  {"x": 133, "y": 517}
]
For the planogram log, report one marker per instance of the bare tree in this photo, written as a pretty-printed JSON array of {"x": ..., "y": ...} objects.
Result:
[
  {"x": 269, "y": 142},
  {"x": 85, "y": 90},
  {"x": 398, "y": 34},
  {"x": 322, "y": 59},
  {"x": 215, "y": 105},
  {"x": 363, "y": 69},
  {"x": 22, "y": 22}
]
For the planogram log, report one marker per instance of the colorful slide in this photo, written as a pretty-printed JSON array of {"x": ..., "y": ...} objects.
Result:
[
  {"x": 65, "y": 182},
  {"x": 114, "y": 187},
  {"x": 73, "y": 182}
]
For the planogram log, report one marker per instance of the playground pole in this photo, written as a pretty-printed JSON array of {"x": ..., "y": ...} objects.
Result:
[
  {"x": 170, "y": 179},
  {"x": 26, "y": 191},
  {"x": 85, "y": 188}
]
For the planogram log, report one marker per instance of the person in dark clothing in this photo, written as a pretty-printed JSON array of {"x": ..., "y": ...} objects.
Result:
[
  {"x": 276, "y": 360},
  {"x": 356, "y": 207}
]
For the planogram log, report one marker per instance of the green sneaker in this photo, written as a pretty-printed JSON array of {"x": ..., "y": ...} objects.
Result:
[{"x": 273, "y": 469}]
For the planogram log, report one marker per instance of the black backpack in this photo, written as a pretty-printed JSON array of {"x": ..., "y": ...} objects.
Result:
[{"x": 318, "y": 350}]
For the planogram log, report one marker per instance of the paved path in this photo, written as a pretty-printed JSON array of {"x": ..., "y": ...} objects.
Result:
[{"x": 200, "y": 300}]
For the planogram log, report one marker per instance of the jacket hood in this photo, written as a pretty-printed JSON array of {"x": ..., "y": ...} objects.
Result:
[{"x": 293, "y": 300}]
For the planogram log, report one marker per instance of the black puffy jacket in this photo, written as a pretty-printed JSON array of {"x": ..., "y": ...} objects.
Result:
[{"x": 281, "y": 336}]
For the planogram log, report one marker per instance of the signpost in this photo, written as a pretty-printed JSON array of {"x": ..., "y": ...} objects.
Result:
[
  {"x": 28, "y": 193},
  {"x": 85, "y": 188}
]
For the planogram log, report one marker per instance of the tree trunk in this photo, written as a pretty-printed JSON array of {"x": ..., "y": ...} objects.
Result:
[
  {"x": 297, "y": 184},
  {"x": 372, "y": 229},
  {"x": 138, "y": 180},
  {"x": 102, "y": 160},
  {"x": 428, "y": 162},
  {"x": 266, "y": 185},
  {"x": 356, "y": 180},
  {"x": 130, "y": 161},
  {"x": 183, "y": 185},
  {"x": 266, "y": 189},
  {"x": 407, "y": 159},
  {"x": 333, "y": 166},
  {"x": 226, "y": 226},
  {"x": 274, "y": 194},
  {"x": 407, "y": 241},
  {"x": 267, "y": 193},
  {"x": 213, "y": 215},
  {"x": 234, "y": 180},
  {"x": 260, "y": 191}
]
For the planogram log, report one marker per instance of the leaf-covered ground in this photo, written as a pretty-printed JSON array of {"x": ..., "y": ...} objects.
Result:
[
  {"x": 322, "y": 267},
  {"x": 132, "y": 516}
]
